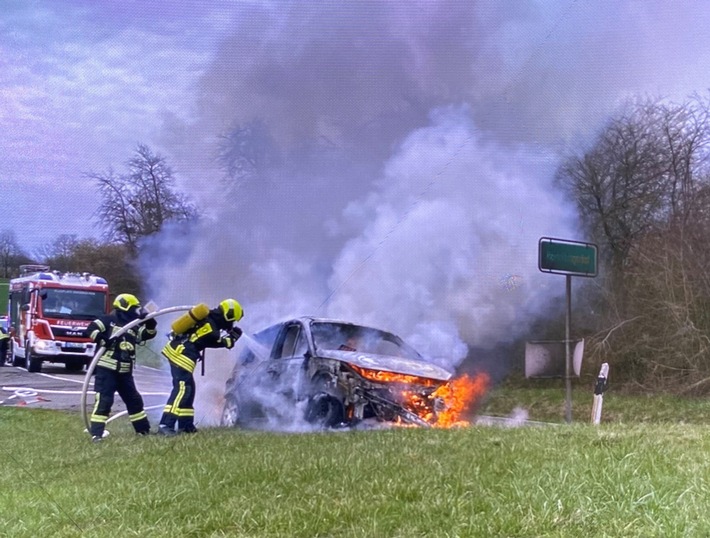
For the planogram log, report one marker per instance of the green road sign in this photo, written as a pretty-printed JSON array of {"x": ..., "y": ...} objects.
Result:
[{"x": 567, "y": 257}]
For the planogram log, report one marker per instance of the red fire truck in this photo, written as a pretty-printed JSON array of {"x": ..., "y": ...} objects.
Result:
[{"x": 49, "y": 312}]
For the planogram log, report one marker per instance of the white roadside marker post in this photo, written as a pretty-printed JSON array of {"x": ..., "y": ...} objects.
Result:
[{"x": 599, "y": 388}]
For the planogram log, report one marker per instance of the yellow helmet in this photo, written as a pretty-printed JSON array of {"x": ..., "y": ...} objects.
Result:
[
  {"x": 231, "y": 310},
  {"x": 125, "y": 302}
]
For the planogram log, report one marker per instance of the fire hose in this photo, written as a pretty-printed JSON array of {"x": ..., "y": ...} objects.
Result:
[{"x": 102, "y": 349}]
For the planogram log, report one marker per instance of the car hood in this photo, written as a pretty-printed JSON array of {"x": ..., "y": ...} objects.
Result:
[{"x": 389, "y": 363}]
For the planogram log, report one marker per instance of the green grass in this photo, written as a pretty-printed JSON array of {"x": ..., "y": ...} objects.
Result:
[
  {"x": 623, "y": 478},
  {"x": 546, "y": 403}
]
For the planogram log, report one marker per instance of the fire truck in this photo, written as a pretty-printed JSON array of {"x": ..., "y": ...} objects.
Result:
[{"x": 49, "y": 313}]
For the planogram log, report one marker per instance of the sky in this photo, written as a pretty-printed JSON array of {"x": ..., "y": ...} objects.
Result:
[{"x": 417, "y": 143}]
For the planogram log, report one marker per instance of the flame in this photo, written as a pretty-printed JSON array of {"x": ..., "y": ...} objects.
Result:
[
  {"x": 459, "y": 396},
  {"x": 382, "y": 376},
  {"x": 448, "y": 405},
  {"x": 445, "y": 407}
]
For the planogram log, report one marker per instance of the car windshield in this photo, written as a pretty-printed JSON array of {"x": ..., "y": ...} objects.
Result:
[
  {"x": 347, "y": 337},
  {"x": 74, "y": 304}
]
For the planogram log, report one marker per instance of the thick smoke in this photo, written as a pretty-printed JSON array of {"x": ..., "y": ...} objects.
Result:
[
  {"x": 446, "y": 243},
  {"x": 415, "y": 170},
  {"x": 442, "y": 250}
]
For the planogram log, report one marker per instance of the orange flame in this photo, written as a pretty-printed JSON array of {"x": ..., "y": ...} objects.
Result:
[
  {"x": 391, "y": 377},
  {"x": 459, "y": 395},
  {"x": 446, "y": 407}
]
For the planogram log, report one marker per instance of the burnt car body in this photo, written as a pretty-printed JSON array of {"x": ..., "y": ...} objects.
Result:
[{"x": 331, "y": 373}]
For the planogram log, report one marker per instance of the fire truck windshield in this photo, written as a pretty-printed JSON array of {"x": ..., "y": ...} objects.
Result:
[{"x": 72, "y": 303}]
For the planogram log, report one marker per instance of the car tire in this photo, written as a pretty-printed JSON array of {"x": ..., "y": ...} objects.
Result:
[
  {"x": 325, "y": 410},
  {"x": 230, "y": 413}
]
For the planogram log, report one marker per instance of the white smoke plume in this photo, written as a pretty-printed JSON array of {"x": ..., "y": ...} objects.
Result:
[
  {"x": 418, "y": 143},
  {"x": 442, "y": 250}
]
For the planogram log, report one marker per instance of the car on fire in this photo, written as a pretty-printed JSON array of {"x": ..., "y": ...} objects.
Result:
[{"x": 328, "y": 373}]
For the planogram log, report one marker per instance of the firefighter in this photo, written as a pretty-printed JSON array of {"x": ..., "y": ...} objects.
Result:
[
  {"x": 114, "y": 370},
  {"x": 183, "y": 351},
  {"x": 4, "y": 342}
]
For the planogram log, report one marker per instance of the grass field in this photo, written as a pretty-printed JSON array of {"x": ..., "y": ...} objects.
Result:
[{"x": 643, "y": 472}]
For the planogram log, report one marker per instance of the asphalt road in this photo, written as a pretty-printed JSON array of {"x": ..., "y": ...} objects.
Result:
[{"x": 57, "y": 388}]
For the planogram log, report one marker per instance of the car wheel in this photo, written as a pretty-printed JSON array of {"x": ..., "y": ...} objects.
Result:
[
  {"x": 230, "y": 413},
  {"x": 325, "y": 410}
]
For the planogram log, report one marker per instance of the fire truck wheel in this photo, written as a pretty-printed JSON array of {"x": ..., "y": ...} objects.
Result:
[
  {"x": 16, "y": 361},
  {"x": 74, "y": 366},
  {"x": 33, "y": 364}
]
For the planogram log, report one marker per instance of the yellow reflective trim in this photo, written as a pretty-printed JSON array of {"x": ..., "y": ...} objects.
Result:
[
  {"x": 177, "y": 358},
  {"x": 94, "y": 416},
  {"x": 138, "y": 416},
  {"x": 108, "y": 362},
  {"x": 176, "y": 404},
  {"x": 202, "y": 331}
]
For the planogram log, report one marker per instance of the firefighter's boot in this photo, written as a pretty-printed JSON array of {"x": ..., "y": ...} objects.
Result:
[{"x": 166, "y": 431}]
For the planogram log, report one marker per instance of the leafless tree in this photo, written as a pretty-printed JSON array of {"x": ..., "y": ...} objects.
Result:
[
  {"x": 643, "y": 191},
  {"x": 140, "y": 202},
  {"x": 11, "y": 256},
  {"x": 113, "y": 261},
  {"x": 246, "y": 152},
  {"x": 618, "y": 184},
  {"x": 58, "y": 253}
]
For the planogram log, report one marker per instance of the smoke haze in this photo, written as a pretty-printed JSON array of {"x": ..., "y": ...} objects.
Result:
[{"x": 416, "y": 145}]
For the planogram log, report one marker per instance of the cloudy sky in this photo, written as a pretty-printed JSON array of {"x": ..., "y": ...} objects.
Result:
[{"x": 417, "y": 141}]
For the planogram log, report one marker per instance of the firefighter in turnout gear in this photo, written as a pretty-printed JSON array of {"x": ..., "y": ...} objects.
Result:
[
  {"x": 114, "y": 370},
  {"x": 183, "y": 351}
]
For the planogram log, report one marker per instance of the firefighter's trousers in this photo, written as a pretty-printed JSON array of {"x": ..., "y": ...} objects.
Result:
[
  {"x": 106, "y": 384},
  {"x": 179, "y": 407}
]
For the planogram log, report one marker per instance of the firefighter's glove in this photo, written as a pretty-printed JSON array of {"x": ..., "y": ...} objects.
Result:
[
  {"x": 151, "y": 324},
  {"x": 228, "y": 342},
  {"x": 235, "y": 333},
  {"x": 142, "y": 313}
]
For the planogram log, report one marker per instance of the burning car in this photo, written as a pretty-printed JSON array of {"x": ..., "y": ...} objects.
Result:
[{"x": 333, "y": 373}]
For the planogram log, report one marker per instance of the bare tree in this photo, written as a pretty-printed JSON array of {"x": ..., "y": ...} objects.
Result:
[
  {"x": 113, "y": 261},
  {"x": 643, "y": 191},
  {"x": 11, "y": 256},
  {"x": 140, "y": 202},
  {"x": 619, "y": 184},
  {"x": 58, "y": 254},
  {"x": 246, "y": 152}
]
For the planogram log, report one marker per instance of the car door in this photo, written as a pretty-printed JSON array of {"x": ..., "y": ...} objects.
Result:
[{"x": 286, "y": 368}]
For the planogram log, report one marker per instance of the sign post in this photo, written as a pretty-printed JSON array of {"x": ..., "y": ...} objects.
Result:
[{"x": 569, "y": 258}]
